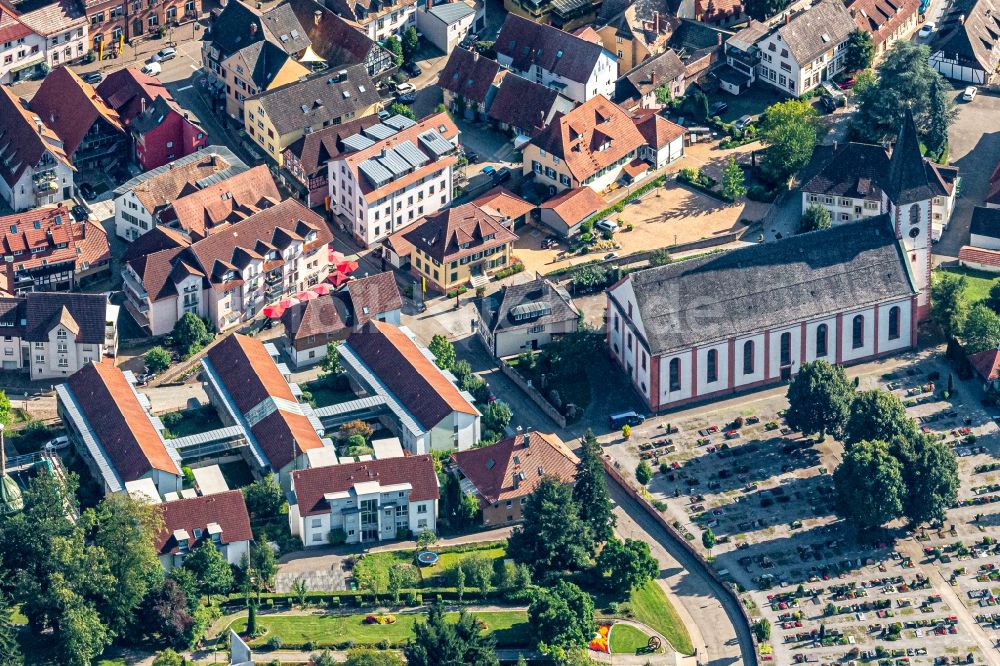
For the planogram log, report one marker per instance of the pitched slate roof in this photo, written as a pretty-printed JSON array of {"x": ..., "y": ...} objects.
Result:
[
  {"x": 127, "y": 90},
  {"x": 335, "y": 39},
  {"x": 985, "y": 222},
  {"x": 373, "y": 295},
  {"x": 522, "y": 103},
  {"x": 575, "y": 205},
  {"x": 575, "y": 137},
  {"x": 158, "y": 188},
  {"x": 907, "y": 177},
  {"x": 415, "y": 380},
  {"x": 315, "y": 149},
  {"x": 969, "y": 32},
  {"x": 649, "y": 75},
  {"x": 44, "y": 310},
  {"x": 515, "y": 466},
  {"x": 312, "y": 484},
  {"x": 262, "y": 60},
  {"x": 325, "y": 315},
  {"x": 854, "y": 170},
  {"x": 528, "y": 43},
  {"x": 70, "y": 106},
  {"x": 816, "y": 30},
  {"x": 468, "y": 74},
  {"x": 882, "y": 18},
  {"x": 366, "y": 11},
  {"x": 284, "y": 28},
  {"x": 236, "y": 26},
  {"x": 250, "y": 377},
  {"x": 121, "y": 424},
  {"x": 500, "y": 305},
  {"x": 226, "y": 202},
  {"x": 228, "y": 510},
  {"x": 24, "y": 138},
  {"x": 319, "y": 100},
  {"x": 443, "y": 234},
  {"x": 770, "y": 285}
]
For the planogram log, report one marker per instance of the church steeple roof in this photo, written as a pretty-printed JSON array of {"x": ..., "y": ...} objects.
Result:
[{"x": 907, "y": 182}]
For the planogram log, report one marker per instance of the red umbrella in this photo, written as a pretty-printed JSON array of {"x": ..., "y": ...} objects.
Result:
[
  {"x": 322, "y": 289},
  {"x": 336, "y": 278},
  {"x": 306, "y": 295},
  {"x": 287, "y": 302},
  {"x": 347, "y": 267},
  {"x": 274, "y": 311},
  {"x": 336, "y": 257}
]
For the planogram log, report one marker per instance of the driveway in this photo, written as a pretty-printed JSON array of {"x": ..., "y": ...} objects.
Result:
[{"x": 974, "y": 141}]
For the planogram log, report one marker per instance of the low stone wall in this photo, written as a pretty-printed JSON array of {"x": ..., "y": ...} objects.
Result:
[
  {"x": 706, "y": 568},
  {"x": 532, "y": 393}
]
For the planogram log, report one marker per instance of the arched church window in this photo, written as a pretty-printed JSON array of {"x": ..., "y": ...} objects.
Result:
[{"x": 914, "y": 214}]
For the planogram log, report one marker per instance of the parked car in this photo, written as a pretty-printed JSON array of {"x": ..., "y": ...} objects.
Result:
[
  {"x": 79, "y": 213},
  {"x": 743, "y": 122},
  {"x": 384, "y": 115},
  {"x": 616, "y": 421},
  {"x": 152, "y": 69},
  {"x": 926, "y": 30},
  {"x": 57, "y": 444},
  {"x": 405, "y": 88},
  {"x": 407, "y": 99},
  {"x": 92, "y": 77},
  {"x": 87, "y": 190},
  {"x": 489, "y": 170},
  {"x": 550, "y": 241},
  {"x": 610, "y": 255},
  {"x": 471, "y": 155},
  {"x": 164, "y": 55},
  {"x": 970, "y": 93},
  {"x": 502, "y": 175},
  {"x": 717, "y": 108},
  {"x": 829, "y": 103},
  {"x": 606, "y": 225},
  {"x": 412, "y": 69}
]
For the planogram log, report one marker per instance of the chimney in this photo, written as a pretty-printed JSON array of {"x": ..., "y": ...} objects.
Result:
[
  {"x": 430, "y": 3},
  {"x": 652, "y": 78},
  {"x": 788, "y": 18},
  {"x": 526, "y": 440},
  {"x": 834, "y": 145},
  {"x": 656, "y": 22},
  {"x": 342, "y": 75},
  {"x": 961, "y": 19},
  {"x": 317, "y": 15},
  {"x": 142, "y": 105},
  {"x": 718, "y": 39},
  {"x": 253, "y": 29}
]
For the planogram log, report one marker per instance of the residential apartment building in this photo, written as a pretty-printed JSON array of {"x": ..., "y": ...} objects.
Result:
[
  {"x": 635, "y": 34},
  {"x": 589, "y": 146},
  {"x": 378, "y": 20},
  {"x": 222, "y": 203},
  {"x": 220, "y": 519},
  {"x": 22, "y": 50},
  {"x": 275, "y": 119},
  {"x": 429, "y": 411},
  {"x": 228, "y": 276},
  {"x": 140, "y": 201},
  {"x": 109, "y": 426},
  {"x": 966, "y": 46},
  {"x": 844, "y": 294},
  {"x": 455, "y": 247},
  {"x": 794, "y": 56},
  {"x": 54, "y": 335},
  {"x": 525, "y": 317},
  {"x": 503, "y": 475},
  {"x": 63, "y": 27},
  {"x": 887, "y": 21},
  {"x": 47, "y": 249},
  {"x": 393, "y": 174},
  {"x": 34, "y": 167},
  {"x": 447, "y": 24},
  {"x": 638, "y": 87},
  {"x": 468, "y": 83},
  {"x": 525, "y": 107},
  {"x": 577, "y": 68},
  {"x": 114, "y": 22},
  {"x": 91, "y": 132},
  {"x": 365, "y": 502},
  {"x": 305, "y": 161},
  {"x": 254, "y": 69}
]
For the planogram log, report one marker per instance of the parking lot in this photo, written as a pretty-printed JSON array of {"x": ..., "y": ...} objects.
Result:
[{"x": 767, "y": 494}]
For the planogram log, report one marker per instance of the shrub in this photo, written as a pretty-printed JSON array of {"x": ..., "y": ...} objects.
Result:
[
  {"x": 337, "y": 536},
  {"x": 274, "y": 643}
]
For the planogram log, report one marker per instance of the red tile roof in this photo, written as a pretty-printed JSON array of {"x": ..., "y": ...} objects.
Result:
[
  {"x": 250, "y": 376},
  {"x": 979, "y": 255},
  {"x": 128, "y": 90},
  {"x": 161, "y": 190},
  {"x": 374, "y": 295},
  {"x": 576, "y": 205},
  {"x": 412, "y": 377},
  {"x": 47, "y": 236},
  {"x": 122, "y": 426},
  {"x": 576, "y": 137},
  {"x": 881, "y": 18},
  {"x": 657, "y": 131},
  {"x": 511, "y": 468},
  {"x": 229, "y": 201},
  {"x": 11, "y": 29},
  {"x": 987, "y": 364},
  {"x": 227, "y": 509},
  {"x": 504, "y": 203},
  {"x": 70, "y": 106},
  {"x": 24, "y": 138},
  {"x": 311, "y": 484}
]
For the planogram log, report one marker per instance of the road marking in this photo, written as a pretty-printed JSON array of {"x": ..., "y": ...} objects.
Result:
[{"x": 184, "y": 88}]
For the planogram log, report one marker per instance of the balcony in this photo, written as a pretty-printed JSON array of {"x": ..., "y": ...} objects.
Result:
[
  {"x": 272, "y": 278},
  {"x": 134, "y": 287},
  {"x": 743, "y": 59},
  {"x": 45, "y": 182}
]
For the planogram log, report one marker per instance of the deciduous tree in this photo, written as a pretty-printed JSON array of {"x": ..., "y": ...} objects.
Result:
[
  {"x": 411, "y": 43},
  {"x": 981, "y": 330},
  {"x": 819, "y": 399},
  {"x": 932, "y": 481},
  {"x": 815, "y": 218},
  {"x": 210, "y": 569},
  {"x": 949, "y": 305},
  {"x": 878, "y": 415},
  {"x": 191, "y": 334},
  {"x": 444, "y": 352},
  {"x": 733, "y": 179},
  {"x": 860, "y": 51},
  {"x": 869, "y": 486},
  {"x": 264, "y": 498},
  {"x": 10, "y": 649},
  {"x": 395, "y": 47},
  {"x": 627, "y": 565},
  {"x": 562, "y": 616},
  {"x": 158, "y": 359},
  {"x": 791, "y": 130}
]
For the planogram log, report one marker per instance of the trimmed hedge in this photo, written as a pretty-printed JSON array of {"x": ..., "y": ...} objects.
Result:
[
  {"x": 707, "y": 189},
  {"x": 363, "y": 598},
  {"x": 638, "y": 192}
]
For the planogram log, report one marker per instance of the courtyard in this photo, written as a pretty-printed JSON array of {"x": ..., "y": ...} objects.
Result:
[{"x": 767, "y": 493}]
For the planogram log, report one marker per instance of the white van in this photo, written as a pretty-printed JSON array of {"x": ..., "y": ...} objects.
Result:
[{"x": 606, "y": 225}]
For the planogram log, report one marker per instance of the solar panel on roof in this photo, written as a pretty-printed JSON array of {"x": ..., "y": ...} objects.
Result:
[
  {"x": 376, "y": 174},
  {"x": 379, "y": 131},
  {"x": 399, "y": 122},
  {"x": 434, "y": 142},
  {"x": 411, "y": 154},
  {"x": 357, "y": 142},
  {"x": 392, "y": 161}
]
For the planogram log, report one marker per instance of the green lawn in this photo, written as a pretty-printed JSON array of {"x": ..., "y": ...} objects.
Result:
[
  {"x": 448, "y": 559},
  {"x": 186, "y": 422},
  {"x": 510, "y": 628},
  {"x": 651, "y": 606},
  {"x": 978, "y": 283},
  {"x": 323, "y": 394},
  {"x": 626, "y": 639}
]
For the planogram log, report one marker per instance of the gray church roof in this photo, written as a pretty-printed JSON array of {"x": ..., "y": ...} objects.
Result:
[
  {"x": 771, "y": 285},
  {"x": 907, "y": 182}
]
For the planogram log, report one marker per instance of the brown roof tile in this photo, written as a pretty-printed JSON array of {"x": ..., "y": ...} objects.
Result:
[
  {"x": 528, "y": 43},
  {"x": 523, "y": 104},
  {"x": 71, "y": 106},
  {"x": 315, "y": 149},
  {"x": 231, "y": 200},
  {"x": 468, "y": 74},
  {"x": 656, "y": 130},
  {"x": 312, "y": 484},
  {"x": 121, "y": 424},
  {"x": 374, "y": 295},
  {"x": 413, "y": 379},
  {"x": 161, "y": 190},
  {"x": 576, "y": 136},
  {"x": 24, "y": 138},
  {"x": 504, "y": 203},
  {"x": 127, "y": 90},
  {"x": 50, "y": 235},
  {"x": 453, "y": 233},
  {"x": 513, "y": 467},
  {"x": 321, "y": 316},
  {"x": 227, "y": 509},
  {"x": 881, "y": 18},
  {"x": 43, "y": 310},
  {"x": 575, "y": 205}
]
